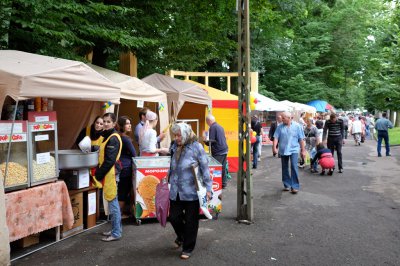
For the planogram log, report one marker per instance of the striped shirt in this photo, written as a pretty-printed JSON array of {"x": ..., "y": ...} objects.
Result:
[{"x": 333, "y": 129}]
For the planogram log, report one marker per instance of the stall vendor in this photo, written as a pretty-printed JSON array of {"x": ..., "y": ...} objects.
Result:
[
  {"x": 106, "y": 173},
  {"x": 94, "y": 132},
  {"x": 148, "y": 137}
]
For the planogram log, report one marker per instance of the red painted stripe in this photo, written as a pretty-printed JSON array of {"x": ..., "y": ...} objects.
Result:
[
  {"x": 233, "y": 164},
  {"x": 225, "y": 104}
]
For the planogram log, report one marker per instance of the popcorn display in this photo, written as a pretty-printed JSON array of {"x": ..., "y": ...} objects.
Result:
[
  {"x": 17, "y": 174},
  {"x": 45, "y": 170}
]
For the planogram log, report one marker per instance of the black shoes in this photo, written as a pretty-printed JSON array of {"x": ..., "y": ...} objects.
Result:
[{"x": 340, "y": 170}]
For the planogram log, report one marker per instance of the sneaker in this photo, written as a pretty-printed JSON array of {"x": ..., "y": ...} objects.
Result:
[
  {"x": 340, "y": 170},
  {"x": 286, "y": 189},
  {"x": 110, "y": 238},
  {"x": 379, "y": 155},
  {"x": 313, "y": 170},
  {"x": 294, "y": 191}
]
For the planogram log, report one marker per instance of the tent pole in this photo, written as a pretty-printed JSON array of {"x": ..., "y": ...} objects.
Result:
[
  {"x": 9, "y": 143},
  {"x": 117, "y": 111}
]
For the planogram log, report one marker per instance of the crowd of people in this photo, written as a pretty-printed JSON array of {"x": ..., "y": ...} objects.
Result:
[{"x": 317, "y": 138}]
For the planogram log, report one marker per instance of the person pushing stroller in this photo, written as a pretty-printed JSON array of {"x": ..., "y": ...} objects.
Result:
[{"x": 325, "y": 159}]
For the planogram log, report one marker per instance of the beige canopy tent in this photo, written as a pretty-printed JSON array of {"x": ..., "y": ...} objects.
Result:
[
  {"x": 133, "y": 90},
  {"x": 24, "y": 75},
  {"x": 178, "y": 92}
]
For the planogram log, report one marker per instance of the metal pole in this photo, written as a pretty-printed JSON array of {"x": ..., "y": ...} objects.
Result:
[
  {"x": 244, "y": 183},
  {"x": 9, "y": 143}
]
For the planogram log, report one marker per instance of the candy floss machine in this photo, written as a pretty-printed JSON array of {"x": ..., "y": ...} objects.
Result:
[
  {"x": 43, "y": 147},
  {"x": 17, "y": 170}
]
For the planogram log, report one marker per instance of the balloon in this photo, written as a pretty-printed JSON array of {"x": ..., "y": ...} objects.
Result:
[
  {"x": 253, "y": 139},
  {"x": 252, "y": 102},
  {"x": 254, "y": 133}
]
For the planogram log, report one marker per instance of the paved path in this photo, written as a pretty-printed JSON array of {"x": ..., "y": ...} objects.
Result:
[{"x": 345, "y": 219}]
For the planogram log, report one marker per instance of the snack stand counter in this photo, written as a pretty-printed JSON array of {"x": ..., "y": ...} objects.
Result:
[{"x": 147, "y": 173}]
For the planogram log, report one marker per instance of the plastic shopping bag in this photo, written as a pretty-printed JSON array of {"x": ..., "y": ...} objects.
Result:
[
  {"x": 201, "y": 193},
  {"x": 85, "y": 145},
  {"x": 307, "y": 159},
  {"x": 162, "y": 202}
]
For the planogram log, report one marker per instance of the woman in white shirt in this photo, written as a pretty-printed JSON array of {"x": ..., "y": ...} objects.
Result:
[
  {"x": 356, "y": 130},
  {"x": 148, "y": 136}
]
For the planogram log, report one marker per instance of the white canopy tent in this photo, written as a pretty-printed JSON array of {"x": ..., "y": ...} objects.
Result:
[{"x": 264, "y": 103}]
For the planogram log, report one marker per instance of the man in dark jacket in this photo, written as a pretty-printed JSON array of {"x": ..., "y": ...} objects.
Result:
[
  {"x": 333, "y": 134},
  {"x": 217, "y": 142},
  {"x": 256, "y": 127}
]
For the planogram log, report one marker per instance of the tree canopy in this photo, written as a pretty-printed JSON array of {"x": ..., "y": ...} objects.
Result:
[{"x": 342, "y": 51}]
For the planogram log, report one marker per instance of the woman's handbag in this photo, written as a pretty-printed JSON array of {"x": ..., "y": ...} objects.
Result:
[{"x": 162, "y": 201}]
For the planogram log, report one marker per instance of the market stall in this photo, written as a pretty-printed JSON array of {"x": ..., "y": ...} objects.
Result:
[
  {"x": 136, "y": 94},
  {"x": 186, "y": 101},
  {"x": 67, "y": 95},
  {"x": 225, "y": 109},
  {"x": 321, "y": 106},
  {"x": 266, "y": 110}
]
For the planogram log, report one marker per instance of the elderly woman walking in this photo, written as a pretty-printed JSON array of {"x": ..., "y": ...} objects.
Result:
[
  {"x": 184, "y": 202},
  {"x": 312, "y": 140}
]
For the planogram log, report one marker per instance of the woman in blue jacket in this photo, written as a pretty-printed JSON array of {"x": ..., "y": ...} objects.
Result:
[{"x": 184, "y": 202}]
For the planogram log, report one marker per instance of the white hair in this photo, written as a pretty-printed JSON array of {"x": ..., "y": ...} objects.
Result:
[
  {"x": 287, "y": 114},
  {"x": 210, "y": 117},
  {"x": 184, "y": 129}
]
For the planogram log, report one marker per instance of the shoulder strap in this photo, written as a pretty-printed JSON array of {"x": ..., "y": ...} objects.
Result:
[
  {"x": 88, "y": 131},
  {"x": 120, "y": 143}
]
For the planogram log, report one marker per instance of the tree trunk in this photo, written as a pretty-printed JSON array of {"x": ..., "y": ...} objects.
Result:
[
  {"x": 391, "y": 115},
  {"x": 99, "y": 57},
  {"x": 397, "y": 123}
]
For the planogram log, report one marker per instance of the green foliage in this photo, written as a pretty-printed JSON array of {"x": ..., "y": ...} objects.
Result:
[{"x": 303, "y": 49}]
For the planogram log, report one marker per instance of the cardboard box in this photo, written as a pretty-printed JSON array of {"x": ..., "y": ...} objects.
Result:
[
  {"x": 28, "y": 241},
  {"x": 90, "y": 208},
  {"x": 77, "y": 209},
  {"x": 76, "y": 179}
]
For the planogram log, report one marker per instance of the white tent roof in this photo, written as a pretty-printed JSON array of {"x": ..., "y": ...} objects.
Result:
[
  {"x": 24, "y": 75},
  {"x": 300, "y": 107},
  {"x": 132, "y": 88},
  {"x": 267, "y": 104}
]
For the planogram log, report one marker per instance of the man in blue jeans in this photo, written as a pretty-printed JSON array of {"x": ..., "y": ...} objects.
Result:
[
  {"x": 382, "y": 125},
  {"x": 291, "y": 139}
]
